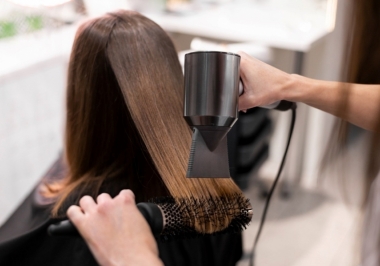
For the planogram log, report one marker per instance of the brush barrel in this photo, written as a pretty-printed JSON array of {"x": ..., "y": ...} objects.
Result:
[
  {"x": 151, "y": 212},
  {"x": 211, "y": 88}
]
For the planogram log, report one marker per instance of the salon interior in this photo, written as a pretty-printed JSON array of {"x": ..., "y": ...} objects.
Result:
[{"x": 311, "y": 220}]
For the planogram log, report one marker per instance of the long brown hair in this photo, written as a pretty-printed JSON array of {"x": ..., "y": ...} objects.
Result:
[
  {"x": 362, "y": 64},
  {"x": 124, "y": 116}
]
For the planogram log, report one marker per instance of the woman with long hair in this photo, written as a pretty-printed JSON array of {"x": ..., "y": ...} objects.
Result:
[
  {"x": 356, "y": 101},
  {"x": 124, "y": 130}
]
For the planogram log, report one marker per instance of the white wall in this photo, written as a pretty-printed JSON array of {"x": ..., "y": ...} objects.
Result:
[
  {"x": 33, "y": 71},
  {"x": 31, "y": 108}
]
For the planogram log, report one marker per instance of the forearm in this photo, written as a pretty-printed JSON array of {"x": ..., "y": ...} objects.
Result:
[{"x": 356, "y": 103}]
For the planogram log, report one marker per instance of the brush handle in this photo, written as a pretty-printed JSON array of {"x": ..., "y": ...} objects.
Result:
[
  {"x": 280, "y": 105},
  {"x": 151, "y": 212}
]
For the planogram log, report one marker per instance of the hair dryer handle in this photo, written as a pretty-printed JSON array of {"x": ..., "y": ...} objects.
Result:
[{"x": 280, "y": 105}]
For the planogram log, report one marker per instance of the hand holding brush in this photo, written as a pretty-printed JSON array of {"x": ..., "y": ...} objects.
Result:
[
  {"x": 115, "y": 231},
  {"x": 167, "y": 217}
]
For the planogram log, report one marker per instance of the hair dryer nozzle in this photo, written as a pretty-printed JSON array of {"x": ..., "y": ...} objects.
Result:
[{"x": 206, "y": 162}]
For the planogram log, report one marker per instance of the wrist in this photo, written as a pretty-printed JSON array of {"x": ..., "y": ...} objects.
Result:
[
  {"x": 293, "y": 88},
  {"x": 147, "y": 259}
]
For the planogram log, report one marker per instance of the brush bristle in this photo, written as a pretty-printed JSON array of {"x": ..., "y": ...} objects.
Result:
[{"x": 181, "y": 214}]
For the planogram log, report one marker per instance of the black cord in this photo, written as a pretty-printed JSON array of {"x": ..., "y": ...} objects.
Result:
[{"x": 251, "y": 258}]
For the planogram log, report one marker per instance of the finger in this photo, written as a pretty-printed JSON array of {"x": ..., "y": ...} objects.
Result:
[
  {"x": 87, "y": 204},
  {"x": 104, "y": 197},
  {"x": 246, "y": 102},
  {"x": 127, "y": 192},
  {"x": 77, "y": 217},
  {"x": 127, "y": 195},
  {"x": 242, "y": 54},
  {"x": 242, "y": 59},
  {"x": 241, "y": 87},
  {"x": 74, "y": 213}
]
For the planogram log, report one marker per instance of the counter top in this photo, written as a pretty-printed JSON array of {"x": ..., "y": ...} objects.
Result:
[
  {"x": 288, "y": 24},
  {"x": 293, "y": 25}
]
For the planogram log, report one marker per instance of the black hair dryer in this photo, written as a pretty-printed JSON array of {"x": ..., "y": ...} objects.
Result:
[{"x": 210, "y": 109}]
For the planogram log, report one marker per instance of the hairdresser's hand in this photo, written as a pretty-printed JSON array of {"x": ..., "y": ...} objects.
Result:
[
  {"x": 263, "y": 84},
  {"x": 115, "y": 231}
]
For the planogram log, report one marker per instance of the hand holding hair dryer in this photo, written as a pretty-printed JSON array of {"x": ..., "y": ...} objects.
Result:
[{"x": 212, "y": 89}]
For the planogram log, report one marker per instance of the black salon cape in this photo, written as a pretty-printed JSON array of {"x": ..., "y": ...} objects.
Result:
[{"x": 24, "y": 241}]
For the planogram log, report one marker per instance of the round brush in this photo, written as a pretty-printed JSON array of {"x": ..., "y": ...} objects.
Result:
[{"x": 171, "y": 218}]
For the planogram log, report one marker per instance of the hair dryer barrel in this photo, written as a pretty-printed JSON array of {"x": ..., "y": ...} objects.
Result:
[{"x": 211, "y": 88}]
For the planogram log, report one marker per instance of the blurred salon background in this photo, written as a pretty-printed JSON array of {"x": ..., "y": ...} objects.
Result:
[{"x": 312, "y": 220}]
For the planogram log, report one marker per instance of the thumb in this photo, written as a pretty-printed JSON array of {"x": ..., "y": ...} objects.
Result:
[{"x": 247, "y": 101}]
